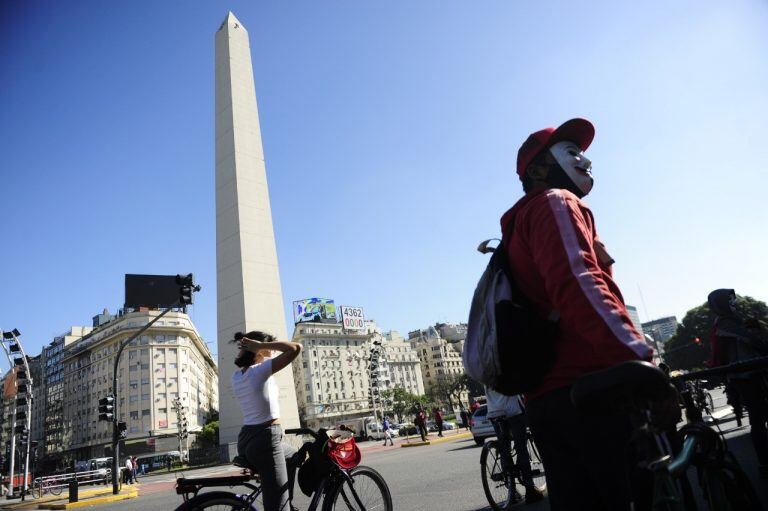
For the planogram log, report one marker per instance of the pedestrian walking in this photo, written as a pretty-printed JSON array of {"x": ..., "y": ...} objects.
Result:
[
  {"x": 168, "y": 462},
  {"x": 135, "y": 468},
  {"x": 464, "y": 418},
  {"x": 438, "y": 416},
  {"x": 421, "y": 423},
  {"x": 561, "y": 265},
  {"x": 735, "y": 340},
  {"x": 128, "y": 471},
  {"x": 387, "y": 429}
]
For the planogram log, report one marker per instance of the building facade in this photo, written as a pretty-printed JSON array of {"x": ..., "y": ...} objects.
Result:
[
  {"x": 401, "y": 366},
  {"x": 332, "y": 377},
  {"x": 440, "y": 359},
  {"x": 51, "y": 448},
  {"x": 661, "y": 329},
  {"x": 167, "y": 361}
]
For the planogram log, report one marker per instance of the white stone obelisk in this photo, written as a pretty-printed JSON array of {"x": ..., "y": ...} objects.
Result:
[{"x": 247, "y": 275}]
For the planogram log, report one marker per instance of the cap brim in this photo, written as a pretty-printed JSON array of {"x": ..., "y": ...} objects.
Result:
[{"x": 578, "y": 130}]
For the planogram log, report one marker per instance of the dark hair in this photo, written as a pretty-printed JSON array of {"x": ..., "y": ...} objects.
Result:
[
  {"x": 254, "y": 335},
  {"x": 248, "y": 358}
]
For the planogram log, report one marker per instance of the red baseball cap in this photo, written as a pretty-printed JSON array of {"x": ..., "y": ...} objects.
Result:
[{"x": 578, "y": 130}]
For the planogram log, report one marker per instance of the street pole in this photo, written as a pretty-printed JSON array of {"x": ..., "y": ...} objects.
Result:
[
  {"x": 13, "y": 421},
  {"x": 116, "y": 415},
  {"x": 29, "y": 397}
]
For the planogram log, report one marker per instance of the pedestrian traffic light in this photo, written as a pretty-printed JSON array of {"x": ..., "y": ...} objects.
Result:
[
  {"x": 122, "y": 429},
  {"x": 106, "y": 408}
]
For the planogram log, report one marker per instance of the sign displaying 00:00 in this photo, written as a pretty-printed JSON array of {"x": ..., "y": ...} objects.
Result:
[{"x": 352, "y": 317}]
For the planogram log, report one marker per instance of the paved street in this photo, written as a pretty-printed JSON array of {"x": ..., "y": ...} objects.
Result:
[{"x": 438, "y": 477}]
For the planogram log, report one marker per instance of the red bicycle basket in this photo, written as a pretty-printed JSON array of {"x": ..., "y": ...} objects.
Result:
[{"x": 346, "y": 454}]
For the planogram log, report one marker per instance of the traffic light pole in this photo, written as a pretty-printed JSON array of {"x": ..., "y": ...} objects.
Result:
[
  {"x": 116, "y": 415},
  {"x": 29, "y": 398},
  {"x": 13, "y": 422}
]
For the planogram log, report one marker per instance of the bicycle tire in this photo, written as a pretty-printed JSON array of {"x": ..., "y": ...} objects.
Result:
[
  {"x": 739, "y": 492},
  {"x": 499, "y": 488},
  {"x": 35, "y": 490},
  {"x": 357, "y": 497},
  {"x": 55, "y": 487},
  {"x": 537, "y": 466},
  {"x": 216, "y": 501}
]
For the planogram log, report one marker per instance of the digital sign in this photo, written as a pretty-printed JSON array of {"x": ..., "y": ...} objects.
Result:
[
  {"x": 352, "y": 317},
  {"x": 314, "y": 309}
]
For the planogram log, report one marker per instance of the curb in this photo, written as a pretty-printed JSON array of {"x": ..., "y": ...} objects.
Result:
[
  {"x": 93, "y": 501},
  {"x": 458, "y": 436}
]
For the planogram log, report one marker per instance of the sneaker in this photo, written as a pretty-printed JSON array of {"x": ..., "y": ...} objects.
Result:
[{"x": 533, "y": 494}]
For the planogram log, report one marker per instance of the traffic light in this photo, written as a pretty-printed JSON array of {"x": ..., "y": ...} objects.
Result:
[
  {"x": 122, "y": 429},
  {"x": 106, "y": 408},
  {"x": 186, "y": 288},
  {"x": 697, "y": 341}
]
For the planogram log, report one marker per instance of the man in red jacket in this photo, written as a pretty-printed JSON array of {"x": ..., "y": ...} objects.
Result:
[{"x": 560, "y": 264}]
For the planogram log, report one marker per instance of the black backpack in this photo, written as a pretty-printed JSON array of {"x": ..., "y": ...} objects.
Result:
[{"x": 509, "y": 347}]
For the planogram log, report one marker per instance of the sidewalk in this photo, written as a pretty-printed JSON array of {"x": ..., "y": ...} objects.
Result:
[
  {"x": 415, "y": 440},
  {"x": 89, "y": 497}
]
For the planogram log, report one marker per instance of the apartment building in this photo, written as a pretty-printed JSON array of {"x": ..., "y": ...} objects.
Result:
[
  {"x": 401, "y": 366},
  {"x": 439, "y": 358},
  {"x": 167, "y": 361},
  {"x": 332, "y": 376}
]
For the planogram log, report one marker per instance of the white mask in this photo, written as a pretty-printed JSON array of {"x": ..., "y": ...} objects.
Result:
[{"x": 576, "y": 166}]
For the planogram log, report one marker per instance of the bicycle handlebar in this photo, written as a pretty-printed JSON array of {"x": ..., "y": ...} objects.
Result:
[
  {"x": 301, "y": 431},
  {"x": 738, "y": 367}
]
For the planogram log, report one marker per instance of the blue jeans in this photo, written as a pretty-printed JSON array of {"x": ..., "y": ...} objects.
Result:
[{"x": 263, "y": 448}]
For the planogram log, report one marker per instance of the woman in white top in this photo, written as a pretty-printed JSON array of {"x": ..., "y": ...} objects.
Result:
[{"x": 260, "y": 439}]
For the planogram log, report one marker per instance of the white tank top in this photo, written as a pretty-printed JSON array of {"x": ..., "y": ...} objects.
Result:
[{"x": 256, "y": 391}]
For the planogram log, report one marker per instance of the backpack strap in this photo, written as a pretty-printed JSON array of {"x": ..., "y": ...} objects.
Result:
[{"x": 506, "y": 265}]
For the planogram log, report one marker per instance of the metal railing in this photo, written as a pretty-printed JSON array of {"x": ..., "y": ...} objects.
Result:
[{"x": 55, "y": 484}]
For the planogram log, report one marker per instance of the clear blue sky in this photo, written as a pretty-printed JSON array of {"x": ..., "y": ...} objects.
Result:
[{"x": 390, "y": 132}]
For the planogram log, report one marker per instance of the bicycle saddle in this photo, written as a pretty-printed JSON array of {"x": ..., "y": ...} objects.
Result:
[{"x": 619, "y": 386}]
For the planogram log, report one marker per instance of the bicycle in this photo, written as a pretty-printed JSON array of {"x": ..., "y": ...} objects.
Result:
[
  {"x": 703, "y": 398},
  {"x": 361, "y": 488},
  {"x": 501, "y": 485},
  {"x": 635, "y": 387},
  {"x": 41, "y": 486}
]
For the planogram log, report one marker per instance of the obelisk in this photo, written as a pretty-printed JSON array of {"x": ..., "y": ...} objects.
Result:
[{"x": 247, "y": 274}]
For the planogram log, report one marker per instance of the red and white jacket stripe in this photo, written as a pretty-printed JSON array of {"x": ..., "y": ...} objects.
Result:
[{"x": 560, "y": 263}]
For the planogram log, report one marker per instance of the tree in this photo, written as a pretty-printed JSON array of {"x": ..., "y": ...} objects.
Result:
[
  {"x": 209, "y": 436},
  {"x": 402, "y": 401},
  {"x": 683, "y": 351}
]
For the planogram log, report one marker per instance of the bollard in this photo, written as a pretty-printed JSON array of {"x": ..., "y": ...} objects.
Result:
[{"x": 73, "y": 490}]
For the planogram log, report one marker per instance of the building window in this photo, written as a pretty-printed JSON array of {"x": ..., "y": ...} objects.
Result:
[
  {"x": 133, "y": 398},
  {"x": 145, "y": 397}
]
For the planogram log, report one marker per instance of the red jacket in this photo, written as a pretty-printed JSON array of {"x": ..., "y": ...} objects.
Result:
[{"x": 560, "y": 263}]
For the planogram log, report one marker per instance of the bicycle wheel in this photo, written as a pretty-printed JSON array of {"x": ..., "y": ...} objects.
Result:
[
  {"x": 368, "y": 492},
  {"x": 498, "y": 486},
  {"x": 739, "y": 492},
  {"x": 55, "y": 487},
  {"x": 537, "y": 467},
  {"x": 708, "y": 402},
  {"x": 216, "y": 501},
  {"x": 35, "y": 490}
]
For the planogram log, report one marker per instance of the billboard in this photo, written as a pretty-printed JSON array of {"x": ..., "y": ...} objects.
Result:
[
  {"x": 314, "y": 309},
  {"x": 150, "y": 291},
  {"x": 352, "y": 317}
]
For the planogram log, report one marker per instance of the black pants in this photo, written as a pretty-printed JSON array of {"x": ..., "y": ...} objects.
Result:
[
  {"x": 752, "y": 394},
  {"x": 587, "y": 459},
  {"x": 422, "y": 431},
  {"x": 512, "y": 429}
]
